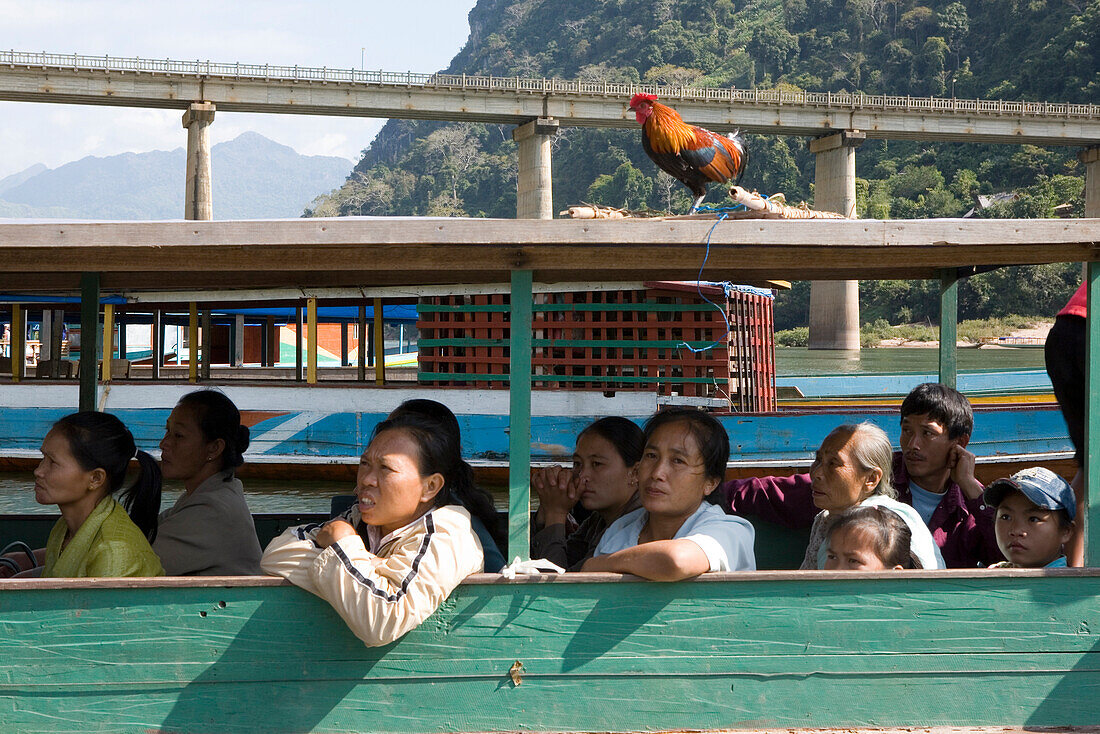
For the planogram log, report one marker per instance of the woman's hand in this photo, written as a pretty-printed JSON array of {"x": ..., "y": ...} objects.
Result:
[
  {"x": 332, "y": 532},
  {"x": 557, "y": 493}
]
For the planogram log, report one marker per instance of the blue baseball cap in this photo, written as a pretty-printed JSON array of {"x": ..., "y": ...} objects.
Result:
[{"x": 1040, "y": 485}]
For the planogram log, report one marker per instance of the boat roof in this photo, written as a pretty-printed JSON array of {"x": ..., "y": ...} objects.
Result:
[{"x": 48, "y": 256}]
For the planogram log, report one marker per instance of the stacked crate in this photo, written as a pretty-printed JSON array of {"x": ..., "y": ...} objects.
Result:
[{"x": 635, "y": 339}]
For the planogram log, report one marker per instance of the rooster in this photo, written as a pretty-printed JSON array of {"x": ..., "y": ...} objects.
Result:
[{"x": 691, "y": 155}]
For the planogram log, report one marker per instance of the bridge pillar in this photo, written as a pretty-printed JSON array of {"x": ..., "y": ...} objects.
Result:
[
  {"x": 534, "y": 190},
  {"x": 834, "y": 305},
  {"x": 1091, "y": 158},
  {"x": 198, "y": 202}
]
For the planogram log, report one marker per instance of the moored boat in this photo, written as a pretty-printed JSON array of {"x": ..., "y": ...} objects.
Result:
[{"x": 578, "y": 653}]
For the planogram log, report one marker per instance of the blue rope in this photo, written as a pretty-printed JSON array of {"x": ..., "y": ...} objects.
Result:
[
  {"x": 720, "y": 209},
  {"x": 699, "y": 289}
]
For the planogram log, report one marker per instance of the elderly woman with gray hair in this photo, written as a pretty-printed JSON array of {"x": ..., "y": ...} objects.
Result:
[{"x": 852, "y": 468}]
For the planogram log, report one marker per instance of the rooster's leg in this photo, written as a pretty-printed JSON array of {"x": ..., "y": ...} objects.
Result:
[{"x": 695, "y": 204}]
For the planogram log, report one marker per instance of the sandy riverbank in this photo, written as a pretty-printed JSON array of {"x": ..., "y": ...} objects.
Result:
[{"x": 1038, "y": 331}]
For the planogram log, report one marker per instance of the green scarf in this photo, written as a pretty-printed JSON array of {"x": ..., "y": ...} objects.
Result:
[{"x": 107, "y": 544}]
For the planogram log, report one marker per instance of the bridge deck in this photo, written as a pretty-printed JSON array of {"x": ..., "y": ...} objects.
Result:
[{"x": 135, "y": 82}]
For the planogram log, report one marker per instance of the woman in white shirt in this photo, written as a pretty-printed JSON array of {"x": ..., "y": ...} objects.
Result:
[{"x": 677, "y": 534}]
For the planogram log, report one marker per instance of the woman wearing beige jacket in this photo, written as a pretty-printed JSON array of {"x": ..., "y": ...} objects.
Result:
[{"x": 398, "y": 553}]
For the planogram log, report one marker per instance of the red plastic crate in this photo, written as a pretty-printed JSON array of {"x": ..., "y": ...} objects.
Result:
[{"x": 611, "y": 340}]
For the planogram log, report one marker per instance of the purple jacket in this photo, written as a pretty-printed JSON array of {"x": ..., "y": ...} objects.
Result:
[{"x": 961, "y": 527}]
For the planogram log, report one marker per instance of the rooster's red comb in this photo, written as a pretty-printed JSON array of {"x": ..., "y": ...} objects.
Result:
[{"x": 637, "y": 99}]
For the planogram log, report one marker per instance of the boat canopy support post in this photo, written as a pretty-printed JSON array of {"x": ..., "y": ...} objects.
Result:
[
  {"x": 57, "y": 331},
  {"x": 379, "y": 345},
  {"x": 344, "y": 326},
  {"x": 157, "y": 343},
  {"x": 193, "y": 342},
  {"x": 120, "y": 343},
  {"x": 89, "y": 338},
  {"x": 207, "y": 343},
  {"x": 298, "y": 342},
  {"x": 519, "y": 415},
  {"x": 238, "y": 340},
  {"x": 18, "y": 349},
  {"x": 949, "y": 326},
  {"x": 834, "y": 304},
  {"x": 1091, "y": 520},
  {"x": 45, "y": 348},
  {"x": 361, "y": 344},
  {"x": 270, "y": 343},
  {"x": 311, "y": 341},
  {"x": 108, "y": 341}
]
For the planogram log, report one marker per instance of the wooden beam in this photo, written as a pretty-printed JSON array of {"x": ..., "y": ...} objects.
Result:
[{"x": 389, "y": 251}]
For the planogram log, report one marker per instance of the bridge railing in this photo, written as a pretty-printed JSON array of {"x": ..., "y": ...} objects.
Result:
[{"x": 845, "y": 100}]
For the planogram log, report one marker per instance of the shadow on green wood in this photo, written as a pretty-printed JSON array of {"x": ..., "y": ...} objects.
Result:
[{"x": 735, "y": 651}]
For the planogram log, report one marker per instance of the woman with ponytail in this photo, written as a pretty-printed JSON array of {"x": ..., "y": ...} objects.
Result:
[
  {"x": 387, "y": 563},
  {"x": 209, "y": 531},
  {"x": 84, "y": 461}
]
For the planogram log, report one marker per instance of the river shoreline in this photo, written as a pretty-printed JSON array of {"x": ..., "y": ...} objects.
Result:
[{"x": 1037, "y": 331}]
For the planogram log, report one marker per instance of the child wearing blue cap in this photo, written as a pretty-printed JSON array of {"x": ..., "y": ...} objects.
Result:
[{"x": 1034, "y": 518}]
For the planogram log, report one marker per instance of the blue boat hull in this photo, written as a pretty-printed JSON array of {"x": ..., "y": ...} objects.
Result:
[{"x": 332, "y": 425}]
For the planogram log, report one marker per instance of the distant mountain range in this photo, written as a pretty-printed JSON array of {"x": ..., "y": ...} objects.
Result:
[{"x": 253, "y": 178}]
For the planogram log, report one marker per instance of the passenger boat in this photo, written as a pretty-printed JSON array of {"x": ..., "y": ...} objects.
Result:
[{"x": 589, "y": 652}]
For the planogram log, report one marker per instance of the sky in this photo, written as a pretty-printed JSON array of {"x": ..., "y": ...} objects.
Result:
[{"x": 412, "y": 35}]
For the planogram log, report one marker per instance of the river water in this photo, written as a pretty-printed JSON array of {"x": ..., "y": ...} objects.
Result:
[
  {"x": 269, "y": 495},
  {"x": 802, "y": 361}
]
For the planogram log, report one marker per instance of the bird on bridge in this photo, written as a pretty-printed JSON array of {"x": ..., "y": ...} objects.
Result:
[{"x": 692, "y": 155}]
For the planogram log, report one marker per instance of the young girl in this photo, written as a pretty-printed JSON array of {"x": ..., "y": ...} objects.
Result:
[
  {"x": 604, "y": 479},
  {"x": 84, "y": 460},
  {"x": 399, "y": 552},
  {"x": 869, "y": 539}
]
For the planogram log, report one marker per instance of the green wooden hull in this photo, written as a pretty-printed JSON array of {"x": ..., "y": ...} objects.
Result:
[{"x": 764, "y": 650}]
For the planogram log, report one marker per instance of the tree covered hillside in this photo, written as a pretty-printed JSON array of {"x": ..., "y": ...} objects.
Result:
[{"x": 1007, "y": 49}]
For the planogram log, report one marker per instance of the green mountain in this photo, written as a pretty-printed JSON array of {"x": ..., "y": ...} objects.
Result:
[{"x": 1006, "y": 49}]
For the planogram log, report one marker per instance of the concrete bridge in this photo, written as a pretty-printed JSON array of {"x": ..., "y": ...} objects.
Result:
[{"x": 539, "y": 107}]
